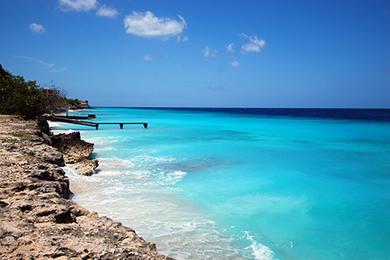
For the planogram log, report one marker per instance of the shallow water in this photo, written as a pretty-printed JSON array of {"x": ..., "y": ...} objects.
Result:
[{"x": 205, "y": 184}]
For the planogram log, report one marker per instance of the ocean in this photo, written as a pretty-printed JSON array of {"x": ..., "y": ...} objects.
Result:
[{"x": 244, "y": 183}]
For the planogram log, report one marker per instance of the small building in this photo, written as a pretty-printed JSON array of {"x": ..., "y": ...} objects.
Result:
[{"x": 84, "y": 104}]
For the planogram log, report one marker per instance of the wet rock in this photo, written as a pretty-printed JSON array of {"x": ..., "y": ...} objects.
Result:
[{"x": 86, "y": 167}]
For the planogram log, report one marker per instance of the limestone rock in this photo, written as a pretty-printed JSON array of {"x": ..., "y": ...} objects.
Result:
[
  {"x": 47, "y": 139},
  {"x": 73, "y": 148},
  {"x": 44, "y": 153},
  {"x": 43, "y": 125},
  {"x": 86, "y": 167},
  {"x": 37, "y": 221}
]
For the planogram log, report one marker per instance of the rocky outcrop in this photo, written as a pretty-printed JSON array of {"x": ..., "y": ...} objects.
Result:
[
  {"x": 86, "y": 167},
  {"x": 73, "y": 148},
  {"x": 45, "y": 153},
  {"x": 37, "y": 219},
  {"x": 76, "y": 152},
  {"x": 43, "y": 125}
]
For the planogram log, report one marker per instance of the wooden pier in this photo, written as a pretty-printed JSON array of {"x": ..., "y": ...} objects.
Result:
[
  {"x": 121, "y": 124},
  {"x": 90, "y": 116},
  {"x": 92, "y": 124}
]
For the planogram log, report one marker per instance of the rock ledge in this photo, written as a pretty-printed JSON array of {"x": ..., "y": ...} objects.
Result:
[{"x": 37, "y": 219}]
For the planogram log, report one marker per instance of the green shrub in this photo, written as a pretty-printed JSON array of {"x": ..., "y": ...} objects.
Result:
[{"x": 25, "y": 98}]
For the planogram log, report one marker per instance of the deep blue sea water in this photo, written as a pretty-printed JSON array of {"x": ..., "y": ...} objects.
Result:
[{"x": 245, "y": 183}]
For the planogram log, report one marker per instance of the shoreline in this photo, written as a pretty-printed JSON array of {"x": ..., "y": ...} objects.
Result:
[
  {"x": 186, "y": 232},
  {"x": 38, "y": 219}
]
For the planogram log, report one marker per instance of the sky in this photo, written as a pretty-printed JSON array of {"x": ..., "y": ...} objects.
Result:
[{"x": 175, "y": 53}]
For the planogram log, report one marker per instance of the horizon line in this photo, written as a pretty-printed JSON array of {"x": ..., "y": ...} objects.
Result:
[{"x": 199, "y": 107}]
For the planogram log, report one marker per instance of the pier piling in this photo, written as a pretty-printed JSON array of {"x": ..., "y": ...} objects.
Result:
[{"x": 93, "y": 124}]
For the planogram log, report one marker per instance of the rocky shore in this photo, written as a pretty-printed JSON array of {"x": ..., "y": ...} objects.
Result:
[{"x": 37, "y": 219}]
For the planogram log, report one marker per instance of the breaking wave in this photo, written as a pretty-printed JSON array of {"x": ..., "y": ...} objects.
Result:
[{"x": 259, "y": 251}]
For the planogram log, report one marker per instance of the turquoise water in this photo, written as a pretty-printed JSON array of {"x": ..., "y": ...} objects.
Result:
[{"x": 230, "y": 186}]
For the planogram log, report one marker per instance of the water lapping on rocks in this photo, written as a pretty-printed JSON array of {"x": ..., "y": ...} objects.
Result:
[
  {"x": 252, "y": 186},
  {"x": 37, "y": 219},
  {"x": 139, "y": 193},
  {"x": 138, "y": 186}
]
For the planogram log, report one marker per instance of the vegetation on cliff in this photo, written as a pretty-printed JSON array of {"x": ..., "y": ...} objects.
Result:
[
  {"x": 26, "y": 98},
  {"x": 20, "y": 97}
]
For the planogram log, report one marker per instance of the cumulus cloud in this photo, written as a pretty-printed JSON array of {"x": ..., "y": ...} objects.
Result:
[
  {"x": 230, "y": 48},
  {"x": 146, "y": 24},
  {"x": 235, "y": 64},
  {"x": 78, "y": 5},
  {"x": 209, "y": 53},
  {"x": 148, "y": 57},
  {"x": 37, "y": 28},
  {"x": 107, "y": 11},
  {"x": 254, "y": 44}
]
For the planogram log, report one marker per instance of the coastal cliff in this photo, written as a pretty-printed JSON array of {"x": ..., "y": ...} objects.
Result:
[
  {"x": 37, "y": 219},
  {"x": 76, "y": 152}
]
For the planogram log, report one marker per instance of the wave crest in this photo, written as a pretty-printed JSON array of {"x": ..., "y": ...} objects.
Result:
[{"x": 259, "y": 251}]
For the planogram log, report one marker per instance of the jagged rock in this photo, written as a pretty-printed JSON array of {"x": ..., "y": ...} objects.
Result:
[
  {"x": 37, "y": 221},
  {"x": 47, "y": 139},
  {"x": 65, "y": 216},
  {"x": 3, "y": 204},
  {"x": 43, "y": 125},
  {"x": 43, "y": 175},
  {"x": 86, "y": 167},
  {"x": 44, "y": 153},
  {"x": 24, "y": 205},
  {"x": 73, "y": 148}
]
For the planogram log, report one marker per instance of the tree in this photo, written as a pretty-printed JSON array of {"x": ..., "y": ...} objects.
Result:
[{"x": 25, "y": 98}]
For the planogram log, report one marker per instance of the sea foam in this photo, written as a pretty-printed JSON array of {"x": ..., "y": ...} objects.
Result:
[{"x": 259, "y": 251}]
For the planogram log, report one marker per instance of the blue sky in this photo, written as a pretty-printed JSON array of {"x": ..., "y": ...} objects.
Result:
[{"x": 203, "y": 53}]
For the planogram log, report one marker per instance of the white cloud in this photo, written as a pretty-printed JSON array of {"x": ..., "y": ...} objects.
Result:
[
  {"x": 37, "y": 28},
  {"x": 41, "y": 62},
  {"x": 78, "y": 5},
  {"x": 180, "y": 38},
  {"x": 230, "y": 48},
  {"x": 148, "y": 25},
  {"x": 235, "y": 64},
  {"x": 148, "y": 57},
  {"x": 254, "y": 44},
  {"x": 50, "y": 66},
  {"x": 209, "y": 53},
  {"x": 107, "y": 11}
]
